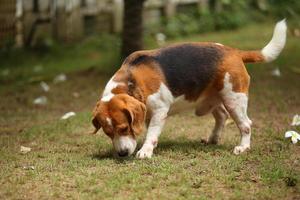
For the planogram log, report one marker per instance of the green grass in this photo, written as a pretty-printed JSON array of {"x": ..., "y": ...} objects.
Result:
[
  {"x": 71, "y": 164},
  {"x": 100, "y": 52}
]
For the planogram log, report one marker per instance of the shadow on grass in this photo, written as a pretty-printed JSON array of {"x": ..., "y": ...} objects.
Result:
[
  {"x": 111, "y": 155},
  {"x": 103, "y": 155},
  {"x": 184, "y": 146}
]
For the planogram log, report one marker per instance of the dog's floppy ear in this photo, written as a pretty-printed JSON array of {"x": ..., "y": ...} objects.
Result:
[
  {"x": 136, "y": 113},
  {"x": 96, "y": 124},
  {"x": 95, "y": 121}
]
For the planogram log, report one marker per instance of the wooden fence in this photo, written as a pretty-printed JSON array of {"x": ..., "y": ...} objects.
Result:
[
  {"x": 22, "y": 21},
  {"x": 7, "y": 21}
]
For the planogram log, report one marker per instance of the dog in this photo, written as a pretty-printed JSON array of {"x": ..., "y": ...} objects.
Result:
[{"x": 154, "y": 84}]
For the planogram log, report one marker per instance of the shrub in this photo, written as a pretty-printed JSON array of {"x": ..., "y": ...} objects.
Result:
[{"x": 232, "y": 15}]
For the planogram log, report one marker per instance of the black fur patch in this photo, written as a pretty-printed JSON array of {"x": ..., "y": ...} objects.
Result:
[
  {"x": 189, "y": 68},
  {"x": 140, "y": 59}
]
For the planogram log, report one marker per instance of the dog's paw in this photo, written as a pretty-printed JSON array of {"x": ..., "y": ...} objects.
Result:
[
  {"x": 240, "y": 149},
  {"x": 208, "y": 141},
  {"x": 145, "y": 152}
]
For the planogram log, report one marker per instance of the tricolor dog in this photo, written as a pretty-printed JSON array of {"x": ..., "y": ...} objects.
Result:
[{"x": 153, "y": 84}]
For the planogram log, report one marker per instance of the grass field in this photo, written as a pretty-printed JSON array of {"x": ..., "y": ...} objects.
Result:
[{"x": 66, "y": 162}]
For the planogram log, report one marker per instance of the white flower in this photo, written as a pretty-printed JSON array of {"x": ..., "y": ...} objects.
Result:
[
  {"x": 294, "y": 136},
  {"x": 296, "y": 120}
]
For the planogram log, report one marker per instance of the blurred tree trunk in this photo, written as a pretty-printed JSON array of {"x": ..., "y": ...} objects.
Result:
[{"x": 132, "y": 35}]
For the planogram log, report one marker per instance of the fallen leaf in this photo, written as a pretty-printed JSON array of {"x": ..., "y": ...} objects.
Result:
[
  {"x": 30, "y": 167},
  {"x": 60, "y": 78},
  {"x": 276, "y": 72},
  {"x": 76, "y": 94},
  {"x": 68, "y": 115},
  {"x": 45, "y": 87},
  {"x": 40, "y": 100}
]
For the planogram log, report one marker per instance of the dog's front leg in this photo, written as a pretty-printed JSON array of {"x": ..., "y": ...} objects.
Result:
[{"x": 155, "y": 127}]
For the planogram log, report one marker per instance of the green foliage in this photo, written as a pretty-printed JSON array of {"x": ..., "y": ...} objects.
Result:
[
  {"x": 285, "y": 8},
  {"x": 7, "y": 44},
  {"x": 101, "y": 52},
  {"x": 232, "y": 15},
  {"x": 181, "y": 25},
  {"x": 206, "y": 23}
]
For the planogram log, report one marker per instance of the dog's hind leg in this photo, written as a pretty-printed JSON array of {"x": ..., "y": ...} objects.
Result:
[
  {"x": 236, "y": 103},
  {"x": 221, "y": 115}
]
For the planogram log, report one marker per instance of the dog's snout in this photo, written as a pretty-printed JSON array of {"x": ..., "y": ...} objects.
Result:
[
  {"x": 124, "y": 145},
  {"x": 123, "y": 153}
]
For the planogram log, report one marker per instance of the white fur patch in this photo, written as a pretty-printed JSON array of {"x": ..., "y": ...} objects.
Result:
[
  {"x": 275, "y": 46},
  {"x": 228, "y": 92},
  {"x": 236, "y": 100},
  {"x": 109, "y": 122},
  {"x": 219, "y": 44},
  {"x": 162, "y": 98},
  {"x": 107, "y": 94},
  {"x": 123, "y": 143},
  {"x": 159, "y": 104}
]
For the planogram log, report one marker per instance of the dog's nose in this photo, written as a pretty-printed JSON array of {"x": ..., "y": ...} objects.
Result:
[{"x": 123, "y": 153}]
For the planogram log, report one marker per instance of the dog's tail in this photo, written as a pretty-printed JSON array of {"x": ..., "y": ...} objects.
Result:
[{"x": 272, "y": 50}]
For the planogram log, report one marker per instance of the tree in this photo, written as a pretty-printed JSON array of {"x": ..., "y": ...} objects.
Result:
[{"x": 132, "y": 35}]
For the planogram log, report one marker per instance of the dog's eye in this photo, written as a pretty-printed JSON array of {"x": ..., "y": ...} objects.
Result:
[{"x": 123, "y": 129}]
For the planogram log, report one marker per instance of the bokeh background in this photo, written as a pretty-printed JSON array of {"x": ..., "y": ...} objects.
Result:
[{"x": 42, "y": 28}]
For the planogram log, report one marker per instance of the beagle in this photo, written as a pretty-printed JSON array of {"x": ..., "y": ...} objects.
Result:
[{"x": 153, "y": 84}]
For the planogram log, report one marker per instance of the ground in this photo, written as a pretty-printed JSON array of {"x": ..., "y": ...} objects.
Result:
[{"x": 67, "y": 162}]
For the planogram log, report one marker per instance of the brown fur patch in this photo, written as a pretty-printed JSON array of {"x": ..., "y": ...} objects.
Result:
[
  {"x": 147, "y": 80},
  {"x": 251, "y": 56},
  {"x": 140, "y": 80},
  {"x": 234, "y": 65}
]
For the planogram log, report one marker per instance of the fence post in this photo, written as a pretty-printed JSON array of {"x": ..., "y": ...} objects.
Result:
[
  {"x": 19, "y": 38},
  {"x": 170, "y": 8},
  {"x": 203, "y": 6},
  {"x": 118, "y": 10}
]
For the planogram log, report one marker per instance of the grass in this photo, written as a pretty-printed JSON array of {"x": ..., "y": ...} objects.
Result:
[
  {"x": 45, "y": 61},
  {"x": 71, "y": 164}
]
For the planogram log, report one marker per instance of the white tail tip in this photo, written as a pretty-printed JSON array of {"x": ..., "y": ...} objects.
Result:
[{"x": 275, "y": 46}]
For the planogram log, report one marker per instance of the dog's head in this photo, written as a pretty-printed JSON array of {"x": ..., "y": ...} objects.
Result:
[{"x": 122, "y": 119}]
